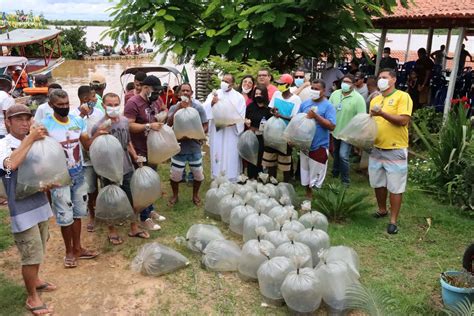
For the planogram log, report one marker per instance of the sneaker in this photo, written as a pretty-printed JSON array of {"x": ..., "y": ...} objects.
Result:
[
  {"x": 157, "y": 217},
  {"x": 148, "y": 224},
  {"x": 392, "y": 229}
]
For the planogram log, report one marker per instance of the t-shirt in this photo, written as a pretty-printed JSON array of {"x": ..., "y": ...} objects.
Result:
[
  {"x": 90, "y": 121},
  {"x": 128, "y": 95},
  {"x": 190, "y": 146},
  {"x": 327, "y": 111},
  {"x": 346, "y": 108},
  {"x": 68, "y": 135},
  {"x": 121, "y": 131},
  {"x": 6, "y": 101},
  {"x": 363, "y": 91},
  {"x": 388, "y": 62},
  {"x": 271, "y": 90},
  {"x": 43, "y": 111},
  {"x": 391, "y": 136},
  {"x": 286, "y": 107},
  {"x": 27, "y": 212},
  {"x": 98, "y": 104},
  {"x": 256, "y": 113},
  {"x": 139, "y": 109},
  {"x": 329, "y": 76},
  {"x": 423, "y": 65},
  {"x": 439, "y": 56}
]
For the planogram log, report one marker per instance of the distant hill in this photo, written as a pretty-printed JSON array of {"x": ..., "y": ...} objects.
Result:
[{"x": 77, "y": 23}]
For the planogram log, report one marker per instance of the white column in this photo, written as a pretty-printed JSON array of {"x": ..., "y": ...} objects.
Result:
[
  {"x": 408, "y": 46},
  {"x": 454, "y": 72},
  {"x": 448, "y": 42},
  {"x": 429, "y": 42},
  {"x": 380, "y": 50}
]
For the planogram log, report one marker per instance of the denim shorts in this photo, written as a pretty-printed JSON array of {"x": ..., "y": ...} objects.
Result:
[{"x": 70, "y": 202}]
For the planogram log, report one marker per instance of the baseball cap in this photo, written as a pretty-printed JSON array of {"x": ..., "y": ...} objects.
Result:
[
  {"x": 285, "y": 79},
  {"x": 18, "y": 109},
  {"x": 97, "y": 78},
  {"x": 152, "y": 81}
]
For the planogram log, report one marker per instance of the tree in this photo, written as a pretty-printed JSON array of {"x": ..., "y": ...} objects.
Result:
[
  {"x": 280, "y": 31},
  {"x": 73, "y": 42}
]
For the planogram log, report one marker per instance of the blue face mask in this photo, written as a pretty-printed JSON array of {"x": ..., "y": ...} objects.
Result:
[
  {"x": 345, "y": 87},
  {"x": 91, "y": 104},
  {"x": 299, "y": 82}
]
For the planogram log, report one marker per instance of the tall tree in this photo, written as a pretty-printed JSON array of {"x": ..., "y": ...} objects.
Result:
[{"x": 280, "y": 31}]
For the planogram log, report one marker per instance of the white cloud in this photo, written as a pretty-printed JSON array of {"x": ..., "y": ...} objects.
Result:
[{"x": 62, "y": 9}]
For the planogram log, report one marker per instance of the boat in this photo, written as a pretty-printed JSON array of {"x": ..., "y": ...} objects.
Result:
[{"x": 47, "y": 40}]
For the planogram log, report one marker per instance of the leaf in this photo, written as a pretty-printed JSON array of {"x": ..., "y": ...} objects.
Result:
[
  {"x": 280, "y": 21},
  {"x": 178, "y": 48},
  {"x": 210, "y": 32},
  {"x": 237, "y": 38},
  {"x": 268, "y": 17},
  {"x": 373, "y": 302},
  {"x": 174, "y": 8},
  {"x": 161, "y": 12},
  {"x": 204, "y": 51},
  {"x": 146, "y": 26},
  {"x": 170, "y": 18},
  {"x": 159, "y": 30},
  {"x": 222, "y": 47},
  {"x": 211, "y": 8},
  {"x": 243, "y": 25}
]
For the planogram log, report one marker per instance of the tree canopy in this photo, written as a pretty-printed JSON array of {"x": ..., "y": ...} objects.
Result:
[{"x": 279, "y": 31}]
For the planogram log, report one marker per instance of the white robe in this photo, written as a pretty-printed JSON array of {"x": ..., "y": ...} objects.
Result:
[{"x": 223, "y": 142}]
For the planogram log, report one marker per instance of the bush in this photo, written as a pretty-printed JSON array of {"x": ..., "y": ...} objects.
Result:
[{"x": 73, "y": 42}]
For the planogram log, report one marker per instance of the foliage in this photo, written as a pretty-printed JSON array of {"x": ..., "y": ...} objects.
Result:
[
  {"x": 337, "y": 204},
  {"x": 6, "y": 238},
  {"x": 19, "y": 19},
  {"x": 373, "y": 302},
  {"x": 421, "y": 172},
  {"x": 429, "y": 118},
  {"x": 462, "y": 308},
  {"x": 13, "y": 297},
  {"x": 279, "y": 31},
  {"x": 73, "y": 42}
]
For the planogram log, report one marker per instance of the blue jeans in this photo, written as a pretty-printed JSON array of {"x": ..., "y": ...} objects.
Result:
[{"x": 341, "y": 166}]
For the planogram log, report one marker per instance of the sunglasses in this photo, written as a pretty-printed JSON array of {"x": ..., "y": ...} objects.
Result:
[{"x": 299, "y": 77}]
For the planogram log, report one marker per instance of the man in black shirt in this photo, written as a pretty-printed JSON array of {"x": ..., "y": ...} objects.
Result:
[{"x": 387, "y": 61}]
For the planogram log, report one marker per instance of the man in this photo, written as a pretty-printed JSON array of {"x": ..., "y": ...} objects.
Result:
[
  {"x": 6, "y": 101},
  {"x": 29, "y": 216},
  {"x": 41, "y": 81},
  {"x": 45, "y": 109},
  {"x": 99, "y": 84},
  {"x": 330, "y": 75},
  {"x": 264, "y": 78},
  {"x": 314, "y": 163},
  {"x": 284, "y": 105},
  {"x": 388, "y": 161},
  {"x": 120, "y": 130},
  {"x": 423, "y": 68},
  {"x": 302, "y": 86},
  {"x": 388, "y": 61},
  {"x": 140, "y": 111},
  {"x": 373, "y": 90},
  {"x": 20, "y": 80},
  {"x": 439, "y": 56},
  {"x": 360, "y": 86},
  {"x": 137, "y": 82},
  {"x": 223, "y": 142},
  {"x": 70, "y": 202},
  {"x": 348, "y": 103},
  {"x": 190, "y": 148},
  {"x": 91, "y": 115},
  {"x": 462, "y": 60}
]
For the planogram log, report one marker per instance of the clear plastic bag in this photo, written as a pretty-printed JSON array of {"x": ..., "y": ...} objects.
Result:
[
  {"x": 187, "y": 123},
  {"x": 145, "y": 186},
  {"x": 225, "y": 114},
  {"x": 316, "y": 239},
  {"x": 287, "y": 189},
  {"x": 252, "y": 198},
  {"x": 112, "y": 204},
  {"x": 313, "y": 219},
  {"x": 106, "y": 154},
  {"x": 221, "y": 255},
  {"x": 271, "y": 275},
  {"x": 283, "y": 211},
  {"x": 265, "y": 205},
  {"x": 253, "y": 221},
  {"x": 293, "y": 225},
  {"x": 279, "y": 236},
  {"x": 254, "y": 253},
  {"x": 248, "y": 147},
  {"x": 342, "y": 253},
  {"x": 44, "y": 166},
  {"x": 302, "y": 290},
  {"x": 219, "y": 180},
  {"x": 273, "y": 134},
  {"x": 272, "y": 191},
  {"x": 300, "y": 132},
  {"x": 237, "y": 217},
  {"x": 226, "y": 204},
  {"x": 295, "y": 249},
  {"x": 155, "y": 259},
  {"x": 213, "y": 197},
  {"x": 161, "y": 145},
  {"x": 360, "y": 131},
  {"x": 243, "y": 190},
  {"x": 199, "y": 235}
]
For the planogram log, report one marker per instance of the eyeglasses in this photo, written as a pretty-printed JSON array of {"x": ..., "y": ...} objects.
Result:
[{"x": 262, "y": 75}]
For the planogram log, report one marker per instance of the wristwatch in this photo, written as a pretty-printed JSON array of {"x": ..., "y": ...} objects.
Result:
[{"x": 147, "y": 127}]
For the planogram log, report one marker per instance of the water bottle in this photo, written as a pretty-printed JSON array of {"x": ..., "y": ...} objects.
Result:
[{"x": 263, "y": 121}]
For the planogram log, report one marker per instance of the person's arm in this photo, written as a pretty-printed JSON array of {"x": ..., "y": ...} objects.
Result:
[
  {"x": 131, "y": 151},
  {"x": 19, "y": 154},
  {"x": 171, "y": 114},
  {"x": 303, "y": 86},
  {"x": 205, "y": 127},
  {"x": 400, "y": 120}
]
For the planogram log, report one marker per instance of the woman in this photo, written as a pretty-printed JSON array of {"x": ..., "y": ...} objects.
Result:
[
  {"x": 246, "y": 88},
  {"x": 256, "y": 116}
]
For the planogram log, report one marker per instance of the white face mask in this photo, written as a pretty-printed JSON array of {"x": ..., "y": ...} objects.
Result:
[
  {"x": 224, "y": 86},
  {"x": 345, "y": 87},
  {"x": 184, "y": 99},
  {"x": 113, "y": 111},
  {"x": 383, "y": 84},
  {"x": 244, "y": 90},
  {"x": 315, "y": 94}
]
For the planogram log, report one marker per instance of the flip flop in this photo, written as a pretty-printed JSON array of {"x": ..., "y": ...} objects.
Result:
[
  {"x": 115, "y": 240},
  {"x": 90, "y": 228},
  {"x": 88, "y": 254},
  {"x": 140, "y": 234},
  {"x": 46, "y": 287},
  {"x": 37, "y": 309},
  {"x": 379, "y": 214},
  {"x": 70, "y": 263}
]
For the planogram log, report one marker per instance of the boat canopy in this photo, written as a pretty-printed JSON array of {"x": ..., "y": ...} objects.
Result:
[
  {"x": 6, "y": 61},
  {"x": 23, "y": 37}
]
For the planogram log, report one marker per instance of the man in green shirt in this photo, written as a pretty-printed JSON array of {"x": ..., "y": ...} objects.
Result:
[
  {"x": 348, "y": 103},
  {"x": 98, "y": 84}
]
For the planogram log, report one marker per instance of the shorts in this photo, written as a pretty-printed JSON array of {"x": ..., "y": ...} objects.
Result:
[
  {"x": 273, "y": 158},
  {"x": 91, "y": 179},
  {"x": 388, "y": 168},
  {"x": 313, "y": 167},
  {"x": 70, "y": 202},
  {"x": 31, "y": 243},
  {"x": 178, "y": 163}
]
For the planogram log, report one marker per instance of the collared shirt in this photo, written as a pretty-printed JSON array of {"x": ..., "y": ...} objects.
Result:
[
  {"x": 346, "y": 108},
  {"x": 6, "y": 101}
]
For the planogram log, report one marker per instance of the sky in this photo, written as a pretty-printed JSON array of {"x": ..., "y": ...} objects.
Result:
[{"x": 61, "y": 9}]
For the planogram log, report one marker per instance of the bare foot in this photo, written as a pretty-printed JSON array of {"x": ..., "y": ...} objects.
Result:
[
  {"x": 172, "y": 201},
  {"x": 196, "y": 200}
]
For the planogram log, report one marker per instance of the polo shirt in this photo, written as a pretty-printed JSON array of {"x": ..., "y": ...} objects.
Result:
[{"x": 346, "y": 108}]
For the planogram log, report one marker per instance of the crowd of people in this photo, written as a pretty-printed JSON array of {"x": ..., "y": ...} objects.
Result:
[{"x": 256, "y": 100}]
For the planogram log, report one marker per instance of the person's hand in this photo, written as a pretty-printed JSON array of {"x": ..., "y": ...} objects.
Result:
[
  {"x": 311, "y": 114},
  {"x": 276, "y": 113},
  {"x": 184, "y": 103},
  {"x": 375, "y": 112},
  {"x": 156, "y": 126},
  {"x": 100, "y": 131},
  {"x": 421, "y": 88},
  {"x": 84, "y": 109},
  {"x": 37, "y": 132},
  {"x": 215, "y": 99},
  {"x": 306, "y": 84}
]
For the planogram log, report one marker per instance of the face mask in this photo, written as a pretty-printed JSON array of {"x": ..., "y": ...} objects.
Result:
[
  {"x": 282, "y": 88},
  {"x": 315, "y": 95},
  {"x": 259, "y": 99},
  {"x": 153, "y": 96},
  {"x": 63, "y": 112},
  {"x": 299, "y": 82},
  {"x": 246, "y": 90},
  {"x": 383, "y": 84},
  {"x": 224, "y": 86},
  {"x": 184, "y": 99},
  {"x": 345, "y": 87},
  {"x": 91, "y": 104},
  {"x": 113, "y": 111}
]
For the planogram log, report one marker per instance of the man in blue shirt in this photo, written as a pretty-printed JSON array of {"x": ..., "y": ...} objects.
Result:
[{"x": 313, "y": 164}]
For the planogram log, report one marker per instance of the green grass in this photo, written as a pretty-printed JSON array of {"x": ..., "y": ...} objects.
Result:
[
  {"x": 6, "y": 238},
  {"x": 12, "y": 297}
]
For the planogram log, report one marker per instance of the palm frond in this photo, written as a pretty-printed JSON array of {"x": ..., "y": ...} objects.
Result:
[{"x": 374, "y": 302}]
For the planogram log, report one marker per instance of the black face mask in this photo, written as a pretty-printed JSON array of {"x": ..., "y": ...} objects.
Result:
[
  {"x": 63, "y": 112},
  {"x": 259, "y": 99},
  {"x": 154, "y": 96}
]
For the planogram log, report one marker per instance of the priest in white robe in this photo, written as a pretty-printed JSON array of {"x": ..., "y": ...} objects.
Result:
[{"x": 223, "y": 139}]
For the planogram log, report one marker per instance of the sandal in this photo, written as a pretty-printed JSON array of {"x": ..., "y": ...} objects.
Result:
[
  {"x": 379, "y": 214},
  {"x": 90, "y": 228},
  {"x": 88, "y": 254},
  {"x": 46, "y": 287},
  {"x": 70, "y": 263},
  {"x": 392, "y": 229},
  {"x": 115, "y": 240},
  {"x": 37, "y": 309},
  {"x": 140, "y": 234}
]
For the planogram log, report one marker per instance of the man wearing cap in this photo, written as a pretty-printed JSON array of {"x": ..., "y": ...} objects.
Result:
[
  {"x": 20, "y": 79},
  {"x": 29, "y": 216},
  {"x": 285, "y": 105},
  {"x": 140, "y": 111},
  {"x": 360, "y": 86},
  {"x": 98, "y": 83},
  {"x": 41, "y": 81},
  {"x": 137, "y": 83},
  {"x": 6, "y": 101}
]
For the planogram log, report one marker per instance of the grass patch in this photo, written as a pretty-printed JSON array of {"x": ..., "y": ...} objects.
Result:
[
  {"x": 12, "y": 297},
  {"x": 6, "y": 237}
]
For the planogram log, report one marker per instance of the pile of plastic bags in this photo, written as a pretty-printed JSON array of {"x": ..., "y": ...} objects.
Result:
[
  {"x": 187, "y": 123},
  {"x": 360, "y": 131},
  {"x": 161, "y": 145}
]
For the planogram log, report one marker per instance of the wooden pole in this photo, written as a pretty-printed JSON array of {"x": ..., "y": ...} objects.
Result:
[
  {"x": 454, "y": 73},
  {"x": 408, "y": 46},
  {"x": 448, "y": 42},
  {"x": 383, "y": 36},
  {"x": 429, "y": 42}
]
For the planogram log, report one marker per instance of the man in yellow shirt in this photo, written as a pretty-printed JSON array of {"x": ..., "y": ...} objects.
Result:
[{"x": 388, "y": 161}]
